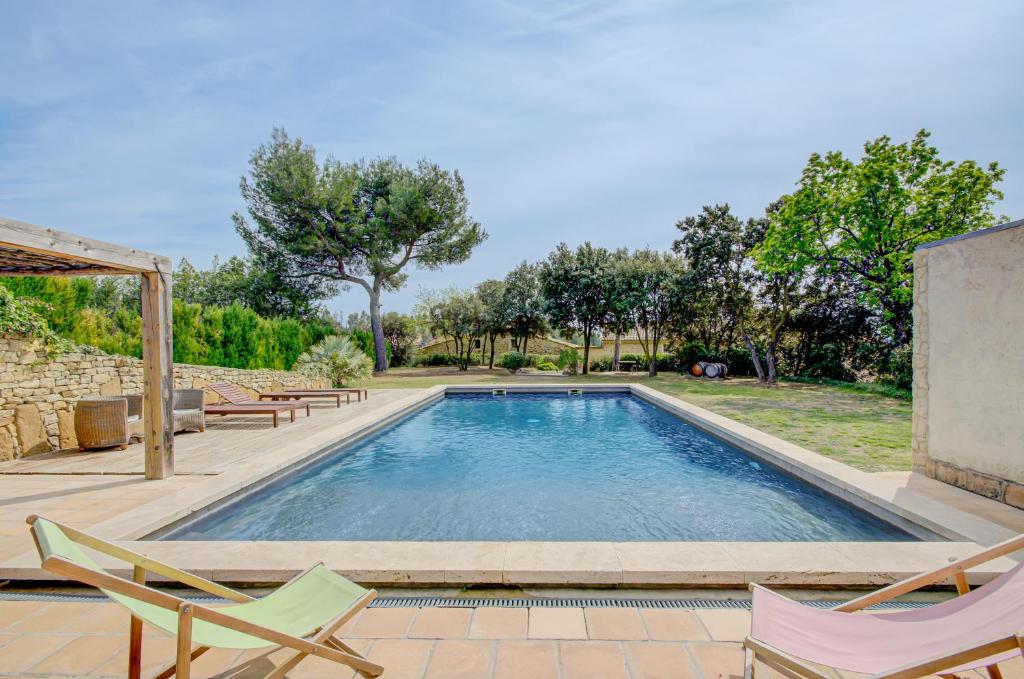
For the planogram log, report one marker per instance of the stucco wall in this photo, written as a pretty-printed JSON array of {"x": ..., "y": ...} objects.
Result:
[
  {"x": 969, "y": 361},
  {"x": 38, "y": 393}
]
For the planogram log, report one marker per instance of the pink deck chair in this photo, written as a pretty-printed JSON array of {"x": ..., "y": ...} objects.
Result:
[{"x": 979, "y": 628}]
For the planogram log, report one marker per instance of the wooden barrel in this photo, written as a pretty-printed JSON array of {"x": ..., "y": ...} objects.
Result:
[
  {"x": 711, "y": 370},
  {"x": 697, "y": 369},
  {"x": 723, "y": 370}
]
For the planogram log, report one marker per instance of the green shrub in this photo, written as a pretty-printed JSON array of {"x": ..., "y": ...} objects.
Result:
[
  {"x": 879, "y": 388},
  {"x": 513, "y": 361},
  {"x": 364, "y": 340},
  {"x": 337, "y": 359},
  {"x": 547, "y": 366},
  {"x": 435, "y": 360},
  {"x": 568, "y": 358},
  {"x": 18, "y": 317},
  {"x": 640, "y": 362},
  {"x": 897, "y": 369}
]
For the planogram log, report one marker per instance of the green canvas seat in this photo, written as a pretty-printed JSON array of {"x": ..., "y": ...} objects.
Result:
[{"x": 302, "y": 614}]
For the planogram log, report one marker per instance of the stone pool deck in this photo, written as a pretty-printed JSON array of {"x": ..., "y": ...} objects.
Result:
[
  {"x": 39, "y": 639},
  {"x": 104, "y": 493},
  {"x": 82, "y": 639}
]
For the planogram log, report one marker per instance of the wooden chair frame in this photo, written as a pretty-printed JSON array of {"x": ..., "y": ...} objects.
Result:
[
  {"x": 321, "y": 643},
  {"x": 795, "y": 668}
]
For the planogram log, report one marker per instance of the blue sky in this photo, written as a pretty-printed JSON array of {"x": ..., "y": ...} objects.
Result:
[{"x": 598, "y": 121}]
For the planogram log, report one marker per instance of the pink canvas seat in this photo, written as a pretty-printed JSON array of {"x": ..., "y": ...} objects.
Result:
[{"x": 977, "y": 629}]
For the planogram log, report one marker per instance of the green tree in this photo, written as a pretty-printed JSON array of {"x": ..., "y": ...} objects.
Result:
[
  {"x": 716, "y": 246},
  {"x": 622, "y": 301},
  {"x": 524, "y": 304},
  {"x": 497, "y": 317},
  {"x": 400, "y": 332},
  {"x": 864, "y": 219},
  {"x": 650, "y": 281},
  {"x": 260, "y": 288},
  {"x": 459, "y": 317},
  {"x": 576, "y": 288},
  {"x": 360, "y": 223}
]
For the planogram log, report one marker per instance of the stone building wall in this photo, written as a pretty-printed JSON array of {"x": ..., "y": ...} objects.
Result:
[
  {"x": 38, "y": 393},
  {"x": 968, "y": 364}
]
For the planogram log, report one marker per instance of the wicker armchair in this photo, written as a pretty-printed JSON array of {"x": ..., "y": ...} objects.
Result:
[
  {"x": 108, "y": 421},
  {"x": 188, "y": 410}
]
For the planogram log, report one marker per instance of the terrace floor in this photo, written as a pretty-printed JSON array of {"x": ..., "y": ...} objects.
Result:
[{"x": 39, "y": 639}]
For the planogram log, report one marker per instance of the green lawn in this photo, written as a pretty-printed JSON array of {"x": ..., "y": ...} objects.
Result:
[{"x": 866, "y": 431}]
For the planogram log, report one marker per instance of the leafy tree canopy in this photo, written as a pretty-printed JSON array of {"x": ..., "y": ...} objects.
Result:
[
  {"x": 360, "y": 223},
  {"x": 575, "y": 284},
  {"x": 865, "y": 218}
]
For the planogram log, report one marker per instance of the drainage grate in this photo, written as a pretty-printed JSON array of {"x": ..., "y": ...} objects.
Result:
[
  {"x": 521, "y": 602},
  {"x": 735, "y": 604}
]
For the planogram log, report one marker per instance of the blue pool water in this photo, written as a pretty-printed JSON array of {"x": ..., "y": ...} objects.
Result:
[{"x": 540, "y": 467}]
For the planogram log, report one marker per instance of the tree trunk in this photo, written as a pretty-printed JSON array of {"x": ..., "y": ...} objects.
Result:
[
  {"x": 769, "y": 358},
  {"x": 586, "y": 350},
  {"x": 526, "y": 339},
  {"x": 754, "y": 356},
  {"x": 618, "y": 351},
  {"x": 380, "y": 347},
  {"x": 652, "y": 368},
  {"x": 490, "y": 364}
]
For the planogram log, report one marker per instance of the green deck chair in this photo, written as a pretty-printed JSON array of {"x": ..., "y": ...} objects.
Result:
[{"x": 302, "y": 614}]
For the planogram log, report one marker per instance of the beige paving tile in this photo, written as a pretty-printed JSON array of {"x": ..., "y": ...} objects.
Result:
[
  {"x": 319, "y": 668},
  {"x": 617, "y": 624},
  {"x": 441, "y": 623},
  {"x": 717, "y": 660},
  {"x": 214, "y": 662},
  {"x": 257, "y": 663},
  {"x": 592, "y": 660},
  {"x": 157, "y": 654},
  {"x": 461, "y": 659},
  {"x": 533, "y": 659},
  {"x": 726, "y": 625},
  {"x": 673, "y": 625},
  {"x": 383, "y": 623},
  {"x": 658, "y": 660},
  {"x": 100, "y": 619},
  {"x": 82, "y": 655},
  {"x": 557, "y": 623},
  {"x": 26, "y": 651},
  {"x": 499, "y": 623},
  {"x": 401, "y": 658},
  {"x": 12, "y": 612}
]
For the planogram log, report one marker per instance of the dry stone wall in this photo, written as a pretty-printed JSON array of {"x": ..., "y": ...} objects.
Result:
[{"x": 38, "y": 393}]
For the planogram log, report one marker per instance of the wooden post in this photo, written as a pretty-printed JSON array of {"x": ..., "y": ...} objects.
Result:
[{"x": 158, "y": 374}]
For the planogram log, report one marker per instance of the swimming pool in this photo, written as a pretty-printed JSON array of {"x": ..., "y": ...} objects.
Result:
[{"x": 597, "y": 467}]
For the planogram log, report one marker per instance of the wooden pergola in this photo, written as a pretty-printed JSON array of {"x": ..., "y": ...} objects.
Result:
[{"x": 29, "y": 250}]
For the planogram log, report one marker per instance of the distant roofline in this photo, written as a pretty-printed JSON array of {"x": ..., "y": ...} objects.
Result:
[{"x": 972, "y": 234}]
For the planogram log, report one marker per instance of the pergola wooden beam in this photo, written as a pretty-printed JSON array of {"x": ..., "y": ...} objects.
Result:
[{"x": 30, "y": 250}]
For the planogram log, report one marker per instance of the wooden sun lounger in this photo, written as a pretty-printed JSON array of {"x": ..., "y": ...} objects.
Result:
[
  {"x": 300, "y": 394},
  {"x": 256, "y": 408},
  {"x": 360, "y": 392}
]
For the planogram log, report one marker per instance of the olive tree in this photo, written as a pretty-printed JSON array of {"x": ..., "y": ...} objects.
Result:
[
  {"x": 357, "y": 223},
  {"x": 524, "y": 304},
  {"x": 576, "y": 287},
  {"x": 497, "y": 317},
  {"x": 650, "y": 283}
]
